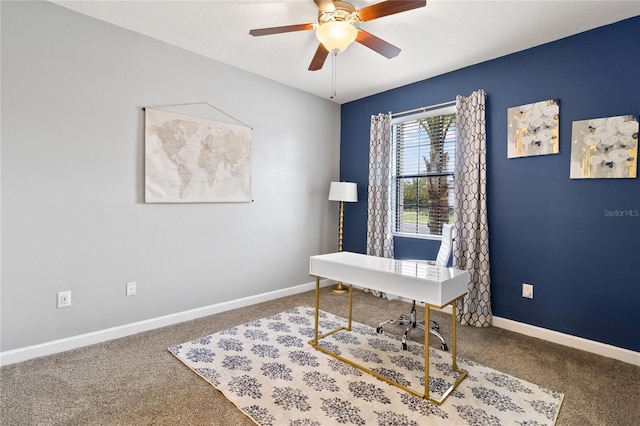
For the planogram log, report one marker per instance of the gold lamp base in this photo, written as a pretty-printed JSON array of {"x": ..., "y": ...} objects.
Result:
[
  {"x": 339, "y": 289},
  {"x": 342, "y": 191}
]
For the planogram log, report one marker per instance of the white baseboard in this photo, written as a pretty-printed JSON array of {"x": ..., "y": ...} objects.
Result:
[
  {"x": 592, "y": 346},
  {"x": 74, "y": 342},
  {"x": 587, "y": 345}
]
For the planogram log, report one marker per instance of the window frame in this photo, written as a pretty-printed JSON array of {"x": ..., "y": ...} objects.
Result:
[{"x": 396, "y": 178}]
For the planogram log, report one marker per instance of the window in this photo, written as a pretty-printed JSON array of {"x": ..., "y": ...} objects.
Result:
[{"x": 423, "y": 171}]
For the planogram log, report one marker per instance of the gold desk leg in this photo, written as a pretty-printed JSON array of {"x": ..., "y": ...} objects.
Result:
[
  {"x": 350, "y": 306},
  {"x": 425, "y": 395},
  {"x": 454, "y": 335},
  {"x": 426, "y": 353},
  {"x": 315, "y": 334},
  {"x": 454, "y": 355}
]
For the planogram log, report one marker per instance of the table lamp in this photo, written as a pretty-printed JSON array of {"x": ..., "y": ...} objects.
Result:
[{"x": 343, "y": 192}]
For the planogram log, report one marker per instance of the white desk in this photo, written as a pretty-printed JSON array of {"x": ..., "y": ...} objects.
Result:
[{"x": 435, "y": 286}]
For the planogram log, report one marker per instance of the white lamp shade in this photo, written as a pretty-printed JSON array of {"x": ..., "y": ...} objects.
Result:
[
  {"x": 343, "y": 191},
  {"x": 336, "y": 35}
]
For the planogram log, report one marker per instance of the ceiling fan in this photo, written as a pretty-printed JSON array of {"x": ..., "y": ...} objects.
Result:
[{"x": 339, "y": 25}]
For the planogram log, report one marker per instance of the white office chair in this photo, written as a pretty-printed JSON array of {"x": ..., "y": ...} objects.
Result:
[{"x": 442, "y": 259}]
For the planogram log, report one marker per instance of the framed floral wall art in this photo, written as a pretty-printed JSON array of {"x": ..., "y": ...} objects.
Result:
[
  {"x": 533, "y": 129},
  {"x": 605, "y": 148}
]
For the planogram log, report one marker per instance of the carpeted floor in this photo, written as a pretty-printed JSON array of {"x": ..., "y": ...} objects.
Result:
[
  {"x": 136, "y": 381},
  {"x": 271, "y": 373}
]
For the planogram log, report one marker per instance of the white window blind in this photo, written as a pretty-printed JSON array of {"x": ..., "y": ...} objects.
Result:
[{"x": 423, "y": 171}]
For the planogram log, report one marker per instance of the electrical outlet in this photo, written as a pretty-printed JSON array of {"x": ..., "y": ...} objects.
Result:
[
  {"x": 527, "y": 290},
  {"x": 64, "y": 299},
  {"x": 131, "y": 288}
]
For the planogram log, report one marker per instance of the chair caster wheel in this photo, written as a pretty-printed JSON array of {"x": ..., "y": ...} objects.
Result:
[
  {"x": 404, "y": 346},
  {"x": 444, "y": 347},
  {"x": 379, "y": 330}
]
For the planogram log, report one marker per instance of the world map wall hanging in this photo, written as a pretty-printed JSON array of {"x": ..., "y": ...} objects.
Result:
[{"x": 194, "y": 160}]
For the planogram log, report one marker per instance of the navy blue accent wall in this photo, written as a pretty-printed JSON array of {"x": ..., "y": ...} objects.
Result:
[{"x": 548, "y": 230}]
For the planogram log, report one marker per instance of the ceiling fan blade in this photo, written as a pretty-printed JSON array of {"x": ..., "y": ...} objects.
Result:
[
  {"x": 278, "y": 30},
  {"x": 325, "y": 5},
  {"x": 384, "y": 48},
  {"x": 318, "y": 59},
  {"x": 388, "y": 7}
]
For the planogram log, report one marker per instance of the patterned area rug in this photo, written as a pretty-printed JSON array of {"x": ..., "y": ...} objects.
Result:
[{"x": 269, "y": 371}]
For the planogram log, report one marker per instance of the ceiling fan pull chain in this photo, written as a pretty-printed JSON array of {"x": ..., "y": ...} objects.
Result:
[{"x": 334, "y": 58}]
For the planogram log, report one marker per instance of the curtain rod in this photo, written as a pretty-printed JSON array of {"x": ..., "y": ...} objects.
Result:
[
  {"x": 421, "y": 109},
  {"x": 426, "y": 108}
]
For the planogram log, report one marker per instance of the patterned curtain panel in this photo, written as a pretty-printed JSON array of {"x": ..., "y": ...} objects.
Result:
[
  {"x": 379, "y": 211},
  {"x": 471, "y": 248}
]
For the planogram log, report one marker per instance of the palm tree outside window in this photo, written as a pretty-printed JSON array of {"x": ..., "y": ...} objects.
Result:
[{"x": 423, "y": 171}]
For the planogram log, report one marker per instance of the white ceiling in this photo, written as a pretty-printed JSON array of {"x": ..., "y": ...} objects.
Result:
[{"x": 443, "y": 36}]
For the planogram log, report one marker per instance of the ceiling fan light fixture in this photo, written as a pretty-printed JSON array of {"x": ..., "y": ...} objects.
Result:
[{"x": 336, "y": 36}]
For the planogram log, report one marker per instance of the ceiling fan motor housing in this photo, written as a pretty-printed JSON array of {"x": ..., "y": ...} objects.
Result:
[{"x": 342, "y": 12}]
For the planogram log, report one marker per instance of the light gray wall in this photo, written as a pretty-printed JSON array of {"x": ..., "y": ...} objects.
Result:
[{"x": 73, "y": 211}]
